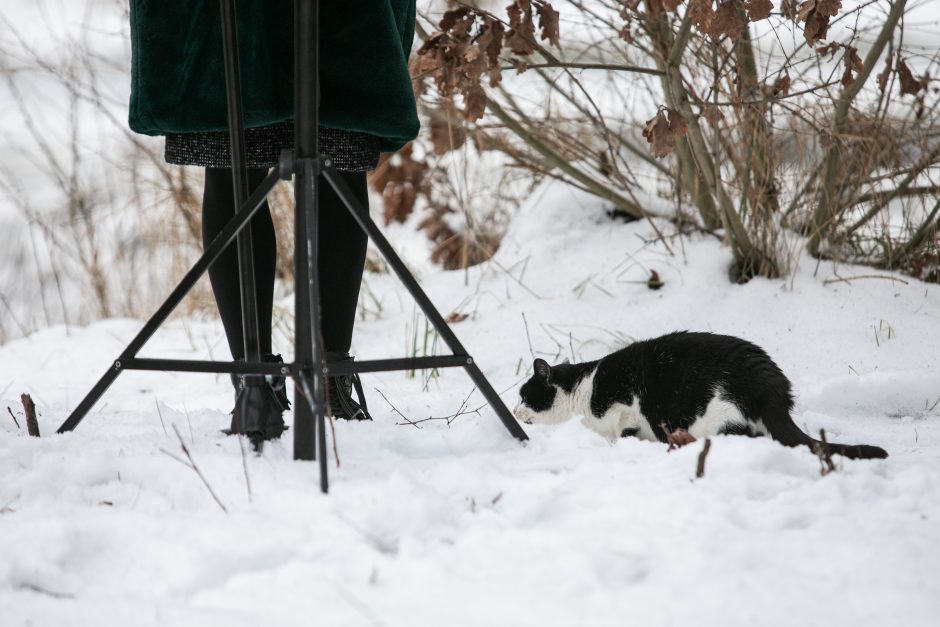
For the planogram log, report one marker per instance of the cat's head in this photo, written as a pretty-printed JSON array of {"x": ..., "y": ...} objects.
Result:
[{"x": 541, "y": 398}]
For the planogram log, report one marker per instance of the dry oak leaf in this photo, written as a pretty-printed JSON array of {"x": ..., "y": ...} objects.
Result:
[
  {"x": 671, "y": 5},
  {"x": 456, "y": 317},
  {"x": 474, "y": 102},
  {"x": 661, "y": 132},
  {"x": 883, "y": 77},
  {"x": 853, "y": 63},
  {"x": 451, "y": 18},
  {"x": 781, "y": 85},
  {"x": 758, "y": 9},
  {"x": 727, "y": 20},
  {"x": 548, "y": 22},
  {"x": 909, "y": 84},
  {"x": 521, "y": 37},
  {"x": 816, "y": 14},
  {"x": 677, "y": 123},
  {"x": 701, "y": 14},
  {"x": 790, "y": 9},
  {"x": 712, "y": 115},
  {"x": 447, "y": 132}
]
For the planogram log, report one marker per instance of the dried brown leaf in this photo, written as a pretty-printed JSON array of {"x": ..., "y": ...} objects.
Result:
[
  {"x": 677, "y": 123},
  {"x": 678, "y": 438},
  {"x": 781, "y": 85},
  {"x": 712, "y": 115},
  {"x": 521, "y": 37},
  {"x": 701, "y": 14},
  {"x": 853, "y": 64},
  {"x": 758, "y": 9},
  {"x": 519, "y": 43},
  {"x": 548, "y": 23},
  {"x": 456, "y": 317},
  {"x": 816, "y": 14},
  {"x": 909, "y": 84},
  {"x": 451, "y": 18},
  {"x": 447, "y": 133},
  {"x": 790, "y": 9},
  {"x": 659, "y": 135},
  {"x": 883, "y": 77},
  {"x": 474, "y": 102},
  {"x": 671, "y": 5},
  {"x": 828, "y": 49},
  {"x": 727, "y": 20}
]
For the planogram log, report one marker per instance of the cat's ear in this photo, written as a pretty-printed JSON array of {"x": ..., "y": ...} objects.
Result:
[
  {"x": 542, "y": 369},
  {"x": 566, "y": 361}
]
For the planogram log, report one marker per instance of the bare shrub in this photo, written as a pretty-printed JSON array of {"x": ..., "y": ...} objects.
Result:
[{"x": 719, "y": 89}]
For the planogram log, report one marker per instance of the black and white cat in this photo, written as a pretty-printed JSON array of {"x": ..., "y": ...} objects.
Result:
[{"x": 704, "y": 383}]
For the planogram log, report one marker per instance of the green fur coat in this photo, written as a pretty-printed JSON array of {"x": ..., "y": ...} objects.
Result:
[{"x": 178, "y": 79}]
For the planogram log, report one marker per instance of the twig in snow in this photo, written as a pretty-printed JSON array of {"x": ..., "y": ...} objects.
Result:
[
  {"x": 192, "y": 438},
  {"x": 39, "y": 589},
  {"x": 461, "y": 411},
  {"x": 700, "y": 468},
  {"x": 6, "y": 509},
  {"x": 160, "y": 413},
  {"x": 849, "y": 279},
  {"x": 32, "y": 425},
  {"x": 15, "y": 421},
  {"x": 241, "y": 445},
  {"x": 824, "y": 454},
  {"x": 191, "y": 464},
  {"x": 395, "y": 409}
]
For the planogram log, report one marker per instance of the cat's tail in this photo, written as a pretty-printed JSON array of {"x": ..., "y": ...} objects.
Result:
[{"x": 785, "y": 431}]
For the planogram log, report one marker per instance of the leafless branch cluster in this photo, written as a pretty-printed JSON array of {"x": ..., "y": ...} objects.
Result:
[{"x": 766, "y": 122}]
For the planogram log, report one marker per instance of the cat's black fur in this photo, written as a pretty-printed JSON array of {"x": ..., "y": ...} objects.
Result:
[{"x": 674, "y": 378}]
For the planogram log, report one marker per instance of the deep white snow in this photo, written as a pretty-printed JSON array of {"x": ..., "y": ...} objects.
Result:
[{"x": 459, "y": 524}]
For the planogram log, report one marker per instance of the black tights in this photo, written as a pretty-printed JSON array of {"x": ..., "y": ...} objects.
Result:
[{"x": 342, "y": 246}]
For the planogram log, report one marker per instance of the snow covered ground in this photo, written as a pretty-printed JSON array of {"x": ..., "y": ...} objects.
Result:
[{"x": 459, "y": 524}]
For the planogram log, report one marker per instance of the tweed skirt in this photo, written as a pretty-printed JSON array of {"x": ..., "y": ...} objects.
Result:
[{"x": 350, "y": 151}]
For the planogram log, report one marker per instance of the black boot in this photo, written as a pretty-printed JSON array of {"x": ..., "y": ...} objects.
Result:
[
  {"x": 339, "y": 389},
  {"x": 277, "y": 383},
  {"x": 259, "y": 404}
]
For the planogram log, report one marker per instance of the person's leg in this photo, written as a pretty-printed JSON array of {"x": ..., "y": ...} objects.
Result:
[
  {"x": 342, "y": 258},
  {"x": 218, "y": 207}
]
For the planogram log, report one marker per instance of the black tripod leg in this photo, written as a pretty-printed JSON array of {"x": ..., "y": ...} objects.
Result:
[
  {"x": 378, "y": 239},
  {"x": 305, "y": 391},
  {"x": 222, "y": 241},
  {"x": 307, "y": 417},
  {"x": 308, "y": 421},
  {"x": 236, "y": 129},
  {"x": 91, "y": 398}
]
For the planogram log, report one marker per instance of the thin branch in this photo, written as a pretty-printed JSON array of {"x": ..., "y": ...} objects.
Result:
[
  {"x": 15, "y": 421},
  {"x": 700, "y": 466},
  {"x": 190, "y": 463}
]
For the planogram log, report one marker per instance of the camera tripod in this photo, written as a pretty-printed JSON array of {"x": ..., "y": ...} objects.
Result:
[{"x": 306, "y": 166}]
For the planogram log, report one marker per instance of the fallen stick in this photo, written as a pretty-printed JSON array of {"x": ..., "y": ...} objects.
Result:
[
  {"x": 32, "y": 425},
  {"x": 700, "y": 470}
]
